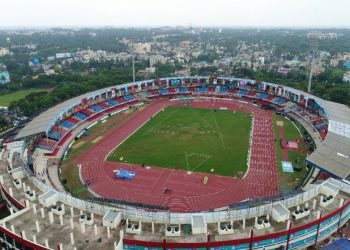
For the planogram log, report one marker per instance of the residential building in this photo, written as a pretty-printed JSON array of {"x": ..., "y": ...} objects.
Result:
[
  {"x": 4, "y": 52},
  {"x": 4, "y": 74}
]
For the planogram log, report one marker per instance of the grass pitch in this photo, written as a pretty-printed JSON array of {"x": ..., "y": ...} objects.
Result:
[
  {"x": 5, "y": 100},
  {"x": 191, "y": 139}
]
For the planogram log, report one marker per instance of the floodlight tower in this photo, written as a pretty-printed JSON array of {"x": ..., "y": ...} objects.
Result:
[
  {"x": 313, "y": 45},
  {"x": 133, "y": 68}
]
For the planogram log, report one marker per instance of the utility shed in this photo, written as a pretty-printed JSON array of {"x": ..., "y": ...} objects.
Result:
[
  {"x": 49, "y": 198},
  {"x": 111, "y": 219},
  {"x": 199, "y": 226},
  {"x": 279, "y": 212}
]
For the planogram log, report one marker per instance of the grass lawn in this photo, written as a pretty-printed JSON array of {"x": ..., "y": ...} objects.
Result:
[
  {"x": 290, "y": 180},
  {"x": 191, "y": 139},
  {"x": 5, "y": 100}
]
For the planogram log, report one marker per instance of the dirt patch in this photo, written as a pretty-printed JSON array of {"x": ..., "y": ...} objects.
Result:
[
  {"x": 97, "y": 139},
  {"x": 77, "y": 145},
  {"x": 279, "y": 123}
]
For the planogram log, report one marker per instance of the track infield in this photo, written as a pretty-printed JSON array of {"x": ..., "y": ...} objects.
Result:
[
  {"x": 188, "y": 192},
  {"x": 191, "y": 139}
]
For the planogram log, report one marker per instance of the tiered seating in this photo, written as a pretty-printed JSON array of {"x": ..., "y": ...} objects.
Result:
[
  {"x": 46, "y": 143},
  {"x": 183, "y": 90},
  {"x": 54, "y": 136},
  {"x": 96, "y": 108},
  {"x": 321, "y": 125},
  {"x": 232, "y": 91},
  {"x": 56, "y": 133},
  {"x": 104, "y": 105},
  {"x": 317, "y": 119},
  {"x": 72, "y": 119},
  {"x": 80, "y": 116},
  {"x": 128, "y": 98},
  {"x": 120, "y": 99},
  {"x": 67, "y": 124},
  {"x": 269, "y": 97},
  {"x": 152, "y": 92},
  {"x": 261, "y": 96},
  {"x": 278, "y": 100},
  {"x": 223, "y": 89},
  {"x": 87, "y": 112},
  {"x": 163, "y": 91},
  {"x": 243, "y": 92},
  {"x": 112, "y": 102},
  {"x": 191, "y": 89},
  {"x": 211, "y": 89},
  {"x": 202, "y": 89},
  {"x": 58, "y": 130},
  {"x": 252, "y": 93},
  {"x": 172, "y": 90}
]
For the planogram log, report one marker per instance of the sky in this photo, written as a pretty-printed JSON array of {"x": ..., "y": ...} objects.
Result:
[{"x": 141, "y": 13}]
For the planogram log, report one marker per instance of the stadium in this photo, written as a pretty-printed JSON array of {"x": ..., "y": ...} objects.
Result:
[{"x": 179, "y": 163}]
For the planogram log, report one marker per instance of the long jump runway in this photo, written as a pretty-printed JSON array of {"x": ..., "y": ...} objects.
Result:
[{"x": 188, "y": 193}]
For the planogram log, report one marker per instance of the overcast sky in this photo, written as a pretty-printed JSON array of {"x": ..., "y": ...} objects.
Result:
[{"x": 233, "y": 13}]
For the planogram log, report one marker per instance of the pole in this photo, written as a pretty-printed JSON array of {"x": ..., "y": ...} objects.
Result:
[
  {"x": 310, "y": 76},
  {"x": 133, "y": 68}
]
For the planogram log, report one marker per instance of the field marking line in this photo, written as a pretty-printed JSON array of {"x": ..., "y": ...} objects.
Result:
[
  {"x": 166, "y": 118},
  {"x": 217, "y": 128},
  {"x": 188, "y": 167},
  {"x": 203, "y": 120},
  {"x": 199, "y": 164},
  {"x": 146, "y": 120}
]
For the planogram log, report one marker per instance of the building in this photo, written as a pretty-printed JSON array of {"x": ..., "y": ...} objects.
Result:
[
  {"x": 4, "y": 52},
  {"x": 283, "y": 70},
  {"x": 346, "y": 77},
  {"x": 142, "y": 48},
  {"x": 4, "y": 74},
  {"x": 157, "y": 59}
]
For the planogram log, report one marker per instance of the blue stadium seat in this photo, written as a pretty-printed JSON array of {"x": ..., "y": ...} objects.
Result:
[
  {"x": 278, "y": 100},
  {"x": 128, "y": 98},
  {"x": 163, "y": 91},
  {"x": 202, "y": 89},
  {"x": 261, "y": 96},
  {"x": 223, "y": 89},
  {"x": 54, "y": 136},
  {"x": 243, "y": 92},
  {"x": 80, "y": 116},
  {"x": 182, "y": 89},
  {"x": 112, "y": 102},
  {"x": 66, "y": 124},
  {"x": 96, "y": 108}
]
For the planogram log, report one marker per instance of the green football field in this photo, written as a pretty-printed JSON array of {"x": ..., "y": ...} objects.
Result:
[
  {"x": 198, "y": 140},
  {"x": 5, "y": 100}
]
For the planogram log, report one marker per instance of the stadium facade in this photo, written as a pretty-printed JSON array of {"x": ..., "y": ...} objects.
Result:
[{"x": 43, "y": 215}]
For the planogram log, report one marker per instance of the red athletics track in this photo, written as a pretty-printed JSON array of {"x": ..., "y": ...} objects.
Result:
[{"x": 188, "y": 193}]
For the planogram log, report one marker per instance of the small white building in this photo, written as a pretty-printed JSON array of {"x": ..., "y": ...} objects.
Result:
[
  {"x": 111, "y": 219},
  {"x": 48, "y": 199},
  {"x": 199, "y": 226},
  {"x": 346, "y": 77},
  {"x": 280, "y": 213}
]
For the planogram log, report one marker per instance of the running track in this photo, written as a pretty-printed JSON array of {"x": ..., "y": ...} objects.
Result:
[{"x": 188, "y": 194}]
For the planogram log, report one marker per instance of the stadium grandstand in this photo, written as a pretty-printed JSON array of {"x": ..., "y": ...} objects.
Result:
[{"x": 222, "y": 213}]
